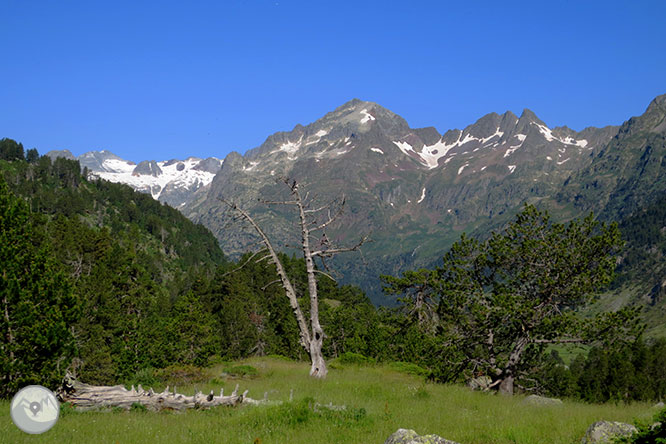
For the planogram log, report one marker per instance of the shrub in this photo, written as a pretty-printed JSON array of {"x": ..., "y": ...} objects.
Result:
[
  {"x": 408, "y": 367},
  {"x": 349, "y": 358},
  {"x": 182, "y": 375},
  {"x": 138, "y": 407},
  {"x": 240, "y": 371},
  {"x": 651, "y": 433},
  {"x": 145, "y": 377}
]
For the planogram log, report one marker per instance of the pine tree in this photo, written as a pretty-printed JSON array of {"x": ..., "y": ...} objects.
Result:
[{"x": 38, "y": 305}]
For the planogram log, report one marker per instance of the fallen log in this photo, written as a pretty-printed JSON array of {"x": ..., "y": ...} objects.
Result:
[{"x": 90, "y": 397}]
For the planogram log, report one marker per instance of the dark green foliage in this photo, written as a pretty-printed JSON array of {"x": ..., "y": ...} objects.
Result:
[
  {"x": 240, "y": 371},
  {"x": 191, "y": 329},
  {"x": 350, "y": 358},
  {"x": 32, "y": 156},
  {"x": 181, "y": 374},
  {"x": 11, "y": 150},
  {"x": 500, "y": 302},
  {"x": 138, "y": 407},
  {"x": 408, "y": 368},
  {"x": 642, "y": 263},
  {"x": 652, "y": 432},
  {"x": 38, "y": 305},
  {"x": 620, "y": 372},
  {"x": 128, "y": 259}
]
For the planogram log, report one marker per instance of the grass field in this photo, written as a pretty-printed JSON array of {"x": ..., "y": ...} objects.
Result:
[{"x": 378, "y": 401}]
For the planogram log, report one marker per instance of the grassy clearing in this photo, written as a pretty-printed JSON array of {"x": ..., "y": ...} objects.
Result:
[{"x": 379, "y": 400}]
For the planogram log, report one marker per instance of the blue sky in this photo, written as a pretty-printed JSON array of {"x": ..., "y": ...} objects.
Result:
[{"x": 161, "y": 80}]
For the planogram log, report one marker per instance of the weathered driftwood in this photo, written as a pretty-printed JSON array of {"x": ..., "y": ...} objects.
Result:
[{"x": 89, "y": 397}]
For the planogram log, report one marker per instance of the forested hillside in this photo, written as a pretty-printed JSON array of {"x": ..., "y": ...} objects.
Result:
[{"x": 149, "y": 288}]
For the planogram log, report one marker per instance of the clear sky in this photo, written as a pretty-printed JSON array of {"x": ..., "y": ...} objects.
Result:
[{"x": 160, "y": 80}]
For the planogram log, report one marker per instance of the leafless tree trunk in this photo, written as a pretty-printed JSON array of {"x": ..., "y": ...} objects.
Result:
[
  {"x": 90, "y": 397},
  {"x": 312, "y": 336}
]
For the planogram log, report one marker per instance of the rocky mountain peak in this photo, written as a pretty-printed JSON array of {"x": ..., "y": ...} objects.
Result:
[
  {"x": 210, "y": 165},
  {"x": 102, "y": 161},
  {"x": 658, "y": 102},
  {"x": 652, "y": 121},
  {"x": 54, "y": 154},
  {"x": 148, "y": 168}
]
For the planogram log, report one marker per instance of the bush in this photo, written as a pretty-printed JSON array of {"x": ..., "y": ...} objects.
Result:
[
  {"x": 240, "y": 371},
  {"x": 409, "y": 368},
  {"x": 138, "y": 407},
  {"x": 651, "y": 433},
  {"x": 182, "y": 375},
  {"x": 145, "y": 377},
  {"x": 349, "y": 358}
]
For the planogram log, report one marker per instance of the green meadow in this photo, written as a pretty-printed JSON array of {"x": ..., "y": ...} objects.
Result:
[{"x": 378, "y": 400}]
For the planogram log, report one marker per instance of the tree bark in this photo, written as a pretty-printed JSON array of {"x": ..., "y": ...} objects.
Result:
[
  {"x": 509, "y": 372},
  {"x": 506, "y": 386},
  {"x": 318, "y": 369}
]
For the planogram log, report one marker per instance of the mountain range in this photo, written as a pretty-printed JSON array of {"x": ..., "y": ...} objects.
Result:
[
  {"x": 171, "y": 181},
  {"x": 412, "y": 190}
]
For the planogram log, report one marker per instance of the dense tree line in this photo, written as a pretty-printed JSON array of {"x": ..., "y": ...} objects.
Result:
[
  {"x": 623, "y": 372},
  {"x": 38, "y": 304}
]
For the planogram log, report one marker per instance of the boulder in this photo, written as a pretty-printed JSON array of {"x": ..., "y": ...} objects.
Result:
[
  {"x": 406, "y": 436},
  {"x": 541, "y": 400},
  {"x": 606, "y": 432}
]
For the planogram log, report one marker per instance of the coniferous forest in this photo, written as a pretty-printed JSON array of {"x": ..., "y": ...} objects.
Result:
[{"x": 112, "y": 285}]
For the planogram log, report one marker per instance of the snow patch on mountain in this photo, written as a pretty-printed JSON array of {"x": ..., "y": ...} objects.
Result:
[
  {"x": 497, "y": 133},
  {"x": 432, "y": 153},
  {"x": 118, "y": 166},
  {"x": 548, "y": 135},
  {"x": 291, "y": 147},
  {"x": 251, "y": 167},
  {"x": 366, "y": 116},
  {"x": 405, "y": 147},
  {"x": 422, "y": 195},
  {"x": 377, "y": 150}
]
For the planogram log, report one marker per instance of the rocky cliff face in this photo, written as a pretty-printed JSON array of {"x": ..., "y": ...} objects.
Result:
[{"x": 628, "y": 172}]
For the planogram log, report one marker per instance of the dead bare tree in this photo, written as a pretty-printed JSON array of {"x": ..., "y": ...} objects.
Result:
[{"x": 311, "y": 221}]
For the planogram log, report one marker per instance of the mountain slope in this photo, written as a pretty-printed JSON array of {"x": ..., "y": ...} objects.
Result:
[
  {"x": 412, "y": 190},
  {"x": 626, "y": 174}
]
